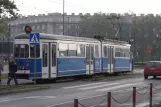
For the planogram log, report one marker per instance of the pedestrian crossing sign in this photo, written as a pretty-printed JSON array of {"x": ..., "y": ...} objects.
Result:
[{"x": 34, "y": 38}]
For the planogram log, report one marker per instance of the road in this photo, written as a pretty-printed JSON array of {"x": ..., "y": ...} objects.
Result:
[{"x": 89, "y": 94}]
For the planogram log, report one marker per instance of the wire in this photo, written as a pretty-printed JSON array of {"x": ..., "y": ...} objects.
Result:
[
  {"x": 101, "y": 102},
  {"x": 142, "y": 93},
  {"x": 67, "y": 3},
  {"x": 34, "y": 8},
  {"x": 82, "y": 104},
  {"x": 121, "y": 102}
]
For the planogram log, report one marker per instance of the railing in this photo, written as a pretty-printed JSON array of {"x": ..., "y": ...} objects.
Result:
[{"x": 109, "y": 97}]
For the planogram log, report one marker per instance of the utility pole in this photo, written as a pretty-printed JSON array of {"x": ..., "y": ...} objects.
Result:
[
  {"x": 68, "y": 25},
  {"x": 9, "y": 41},
  {"x": 63, "y": 16}
]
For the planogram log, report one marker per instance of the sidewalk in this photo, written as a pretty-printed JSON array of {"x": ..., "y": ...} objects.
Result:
[{"x": 20, "y": 81}]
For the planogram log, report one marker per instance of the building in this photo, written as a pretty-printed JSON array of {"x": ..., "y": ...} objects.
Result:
[{"x": 51, "y": 23}]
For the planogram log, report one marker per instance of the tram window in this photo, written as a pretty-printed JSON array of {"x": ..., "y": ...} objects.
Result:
[
  {"x": 63, "y": 49},
  {"x": 32, "y": 51},
  {"x": 127, "y": 53},
  {"x": 21, "y": 50},
  {"x": 117, "y": 52},
  {"x": 53, "y": 54},
  {"x": 45, "y": 55},
  {"x": 96, "y": 51},
  {"x": 16, "y": 50},
  {"x": 121, "y": 54},
  {"x": 72, "y": 51},
  {"x": 105, "y": 51},
  {"x": 81, "y": 50}
]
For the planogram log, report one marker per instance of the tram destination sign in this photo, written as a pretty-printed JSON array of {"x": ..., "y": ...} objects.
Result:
[{"x": 34, "y": 38}]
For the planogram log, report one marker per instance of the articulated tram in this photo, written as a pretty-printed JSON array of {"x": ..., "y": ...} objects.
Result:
[{"x": 60, "y": 56}]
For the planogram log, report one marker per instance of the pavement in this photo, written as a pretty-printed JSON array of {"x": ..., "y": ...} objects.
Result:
[{"x": 89, "y": 94}]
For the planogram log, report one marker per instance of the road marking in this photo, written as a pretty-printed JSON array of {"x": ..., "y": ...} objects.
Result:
[
  {"x": 115, "y": 87},
  {"x": 142, "y": 104},
  {"x": 84, "y": 85},
  {"x": 31, "y": 97},
  {"x": 92, "y": 87},
  {"x": 73, "y": 100}
]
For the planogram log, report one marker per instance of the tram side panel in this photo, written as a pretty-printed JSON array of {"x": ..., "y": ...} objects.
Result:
[
  {"x": 97, "y": 65},
  {"x": 26, "y": 68},
  {"x": 70, "y": 66},
  {"x": 122, "y": 64}
]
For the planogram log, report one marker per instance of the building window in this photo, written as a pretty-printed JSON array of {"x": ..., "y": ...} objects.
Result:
[
  {"x": 60, "y": 33},
  {"x": 61, "y": 27},
  {"x": 38, "y": 26},
  {"x": 33, "y": 27},
  {"x": 23, "y": 28},
  {"x": 43, "y": 26},
  {"x": 69, "y": 26}
]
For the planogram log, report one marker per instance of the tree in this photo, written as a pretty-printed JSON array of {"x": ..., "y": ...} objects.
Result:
[
  {"x": 8, "y": 9},
  {"x": 7, "y": 12}
]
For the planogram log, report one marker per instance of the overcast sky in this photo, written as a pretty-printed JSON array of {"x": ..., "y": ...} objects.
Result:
[{"x": 33, "y": 7}]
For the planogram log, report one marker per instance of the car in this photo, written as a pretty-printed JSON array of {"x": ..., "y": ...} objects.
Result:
[{"x": 153, "y": 68}]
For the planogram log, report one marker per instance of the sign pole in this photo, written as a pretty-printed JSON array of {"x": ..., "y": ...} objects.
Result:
[
  {"x": 35, "y": 66},
  {"x": 35, "y": 40}
]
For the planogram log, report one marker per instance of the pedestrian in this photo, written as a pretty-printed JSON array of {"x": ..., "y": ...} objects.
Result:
[
  {"x": 1, "y": 69},
  {"x": 12, "y": 71}
]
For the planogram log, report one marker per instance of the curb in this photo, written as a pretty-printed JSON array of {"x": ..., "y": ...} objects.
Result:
[
  {"x": 117, "y": 77},
  {"x": 24, "y": 90}
]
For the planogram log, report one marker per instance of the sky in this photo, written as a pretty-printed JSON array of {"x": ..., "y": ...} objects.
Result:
[{"x": 34, "y": 7}]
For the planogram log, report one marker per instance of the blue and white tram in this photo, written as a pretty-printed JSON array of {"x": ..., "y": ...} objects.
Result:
[
  {"x": 59, "y": 56},
  {"x": 116, "y": 57}
]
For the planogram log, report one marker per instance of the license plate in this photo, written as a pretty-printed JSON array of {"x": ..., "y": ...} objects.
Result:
[{"x": 152, "y": 68}]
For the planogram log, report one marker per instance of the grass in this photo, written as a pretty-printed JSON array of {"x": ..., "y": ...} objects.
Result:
[{"x": 4, "y": 76}]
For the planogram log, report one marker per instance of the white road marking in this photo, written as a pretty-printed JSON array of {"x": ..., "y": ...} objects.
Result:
[
  {"x": 31, "y": 97},
  {"x": 115, "y": 87},
  {"x": 73, "y": 100},
  {"x": 98, "y": 86},
  {"x": 142, "y": 104},
  {"x": 84, "y": 85}
]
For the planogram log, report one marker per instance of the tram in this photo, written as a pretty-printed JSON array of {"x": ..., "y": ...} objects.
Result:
[{"x": 61, "y": 56}]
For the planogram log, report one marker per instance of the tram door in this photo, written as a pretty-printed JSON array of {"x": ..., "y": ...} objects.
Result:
[
  {"x": 89, "y": 58},
  {"x": 45, "y": 60},
  {"x": 52, "y": 60},
  {"x": 110, "y": 57}
]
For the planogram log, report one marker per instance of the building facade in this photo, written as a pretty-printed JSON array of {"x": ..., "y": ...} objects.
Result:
[{"x": 51, "y": 23}]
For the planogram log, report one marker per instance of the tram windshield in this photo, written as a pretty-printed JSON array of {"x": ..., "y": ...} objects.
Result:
[
  {"x": 32, "y": 51},
  {"x": 21, "y": 50}
]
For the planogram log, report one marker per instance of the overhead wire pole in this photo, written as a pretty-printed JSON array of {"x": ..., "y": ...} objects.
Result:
[
  {"x": 63, "y": 16},
  {"x": 9, "y": 40}
]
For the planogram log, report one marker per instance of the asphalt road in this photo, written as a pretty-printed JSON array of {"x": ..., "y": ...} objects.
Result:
[{"x": 88, "y": 93}]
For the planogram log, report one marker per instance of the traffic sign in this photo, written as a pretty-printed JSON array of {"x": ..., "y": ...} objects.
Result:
[{"x": 34, "y": 38}]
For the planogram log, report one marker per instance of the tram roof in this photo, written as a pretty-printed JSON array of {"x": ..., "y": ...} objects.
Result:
[{"x": 56, "y": 37}]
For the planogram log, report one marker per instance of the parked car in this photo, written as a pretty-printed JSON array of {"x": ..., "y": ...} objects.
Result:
[{"x": 153, "y": 68}]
